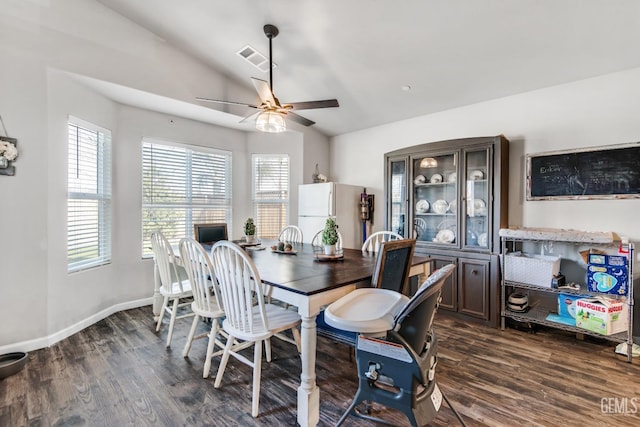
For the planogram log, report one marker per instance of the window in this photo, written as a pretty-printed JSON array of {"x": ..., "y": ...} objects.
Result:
[
  {"x": 89, "y": 196},
  {"x": 182, "y": 186},
  {"x": 270, "y": 193}
]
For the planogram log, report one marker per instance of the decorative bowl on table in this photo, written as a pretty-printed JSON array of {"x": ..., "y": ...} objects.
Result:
[
  {"x": 283, "y": 248},
  {"x": 320, "y": 255}
]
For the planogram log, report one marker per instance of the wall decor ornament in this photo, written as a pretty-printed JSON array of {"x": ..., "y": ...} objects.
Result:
[{"x": 8, "y": 152}]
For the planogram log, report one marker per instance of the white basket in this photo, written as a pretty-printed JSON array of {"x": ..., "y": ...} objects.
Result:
[{"x": 531, "y": 269}]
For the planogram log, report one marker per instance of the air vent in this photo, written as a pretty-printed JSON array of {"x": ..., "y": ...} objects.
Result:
[{"x": 255, "y": 58}]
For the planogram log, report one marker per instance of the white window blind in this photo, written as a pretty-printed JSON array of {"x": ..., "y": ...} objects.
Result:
[
  {"x": 89, "y": 196},
  {"x": 270, "y": 193},
  {"x": 182, "y": 186}
]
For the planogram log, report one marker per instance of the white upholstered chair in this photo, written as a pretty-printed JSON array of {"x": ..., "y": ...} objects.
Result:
[
  {"x": 291, "y": 234},
  {"x": 173, "y": 287},
  {"x": 206, "y": 303},
  {"x": 373, "y": 242},
  {"x": 249, "y": 319}
]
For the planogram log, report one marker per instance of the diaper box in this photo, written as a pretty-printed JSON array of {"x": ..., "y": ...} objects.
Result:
[
  {"x": 602, "y": 315},
  {"x": 608, "y": 274},
  {"x": 567, "y": 306}
]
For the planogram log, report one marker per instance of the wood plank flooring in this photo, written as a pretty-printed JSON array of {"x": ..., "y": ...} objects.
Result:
[{"x": 119, "y": 373}]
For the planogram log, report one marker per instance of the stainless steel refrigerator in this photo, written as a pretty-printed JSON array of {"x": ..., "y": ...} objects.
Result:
[{"x": 317, "y": 202}]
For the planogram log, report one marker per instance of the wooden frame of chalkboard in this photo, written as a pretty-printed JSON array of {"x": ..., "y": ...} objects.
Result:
[{"x": 608, "y": 172}]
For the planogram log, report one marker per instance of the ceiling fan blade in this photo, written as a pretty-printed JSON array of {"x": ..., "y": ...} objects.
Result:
[
  {"x": 299, "y": 119},
  {"x": 249, "y": 117},
  {"x": 264, "y": 91},
  {"x": 308, "y": 105},
  {"x": 227, "y": 102}
]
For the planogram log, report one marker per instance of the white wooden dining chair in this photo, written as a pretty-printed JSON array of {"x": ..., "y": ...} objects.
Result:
[
  {"x": 317, "y": 240},
  {"x": 249, "y": 319},
  {"x": 173, "y": 287},
  {"x": 373, "y": 242},
  {"x": 206, "y": 303},
  {"x": 291, "y": 234}
]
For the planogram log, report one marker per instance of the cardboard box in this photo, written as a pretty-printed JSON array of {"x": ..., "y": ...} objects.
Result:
[
  {"x": 608, "y": 274},
  {"x": 602, "y": 315},
  {"x": 567, "y": 306}
]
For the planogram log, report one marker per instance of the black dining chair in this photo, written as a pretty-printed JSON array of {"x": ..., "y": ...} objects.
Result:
[{"x": 208, "y": 234}]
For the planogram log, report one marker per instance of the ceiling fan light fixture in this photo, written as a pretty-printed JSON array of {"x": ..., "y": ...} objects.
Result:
[{"x": 271, "y": 121}]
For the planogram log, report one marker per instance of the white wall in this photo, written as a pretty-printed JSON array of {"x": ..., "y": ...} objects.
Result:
[
  {"x": 593, "y": 112},
  {"x": 44, "y": 42}
]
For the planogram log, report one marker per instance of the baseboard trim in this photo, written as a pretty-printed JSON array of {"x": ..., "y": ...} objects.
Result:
[{"x": 49, "y": 340}]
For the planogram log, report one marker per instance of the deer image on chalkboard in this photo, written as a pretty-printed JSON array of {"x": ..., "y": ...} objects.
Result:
[{"x": 609, "y": 172}]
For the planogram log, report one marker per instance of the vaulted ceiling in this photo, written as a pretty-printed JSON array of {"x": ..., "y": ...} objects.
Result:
[{"x": 367, "y": 53}]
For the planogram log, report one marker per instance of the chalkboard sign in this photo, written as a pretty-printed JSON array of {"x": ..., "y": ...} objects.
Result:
[{"x": 611, "y": 172}]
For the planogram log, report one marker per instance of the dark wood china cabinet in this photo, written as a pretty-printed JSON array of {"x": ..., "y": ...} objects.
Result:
[{"x": 452, "y": 196}]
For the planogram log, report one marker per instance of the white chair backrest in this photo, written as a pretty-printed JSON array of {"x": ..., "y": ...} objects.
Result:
[
  {"x": 200, "y": 272},
  {"x": 372, "y": 244},
  {"x": 317, "y": 240},
  {"x": 240, "y": 287},
  {"x": 165, "y": 261},
  {"x": 291, "y": 234}
]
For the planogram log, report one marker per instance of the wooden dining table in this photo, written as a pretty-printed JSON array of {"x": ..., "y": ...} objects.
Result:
[{"x": 303, "y": 280}]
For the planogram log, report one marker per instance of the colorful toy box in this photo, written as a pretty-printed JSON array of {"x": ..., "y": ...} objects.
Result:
[
  {"x": 608, "y": 274},
  {"x": 602, "y": 315}
]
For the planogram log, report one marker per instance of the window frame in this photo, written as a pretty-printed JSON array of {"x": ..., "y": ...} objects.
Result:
[
  {"x": 102, "y": 195},
  {"x": 274, "y": 201},
  {"x": 187, "y": 228}
]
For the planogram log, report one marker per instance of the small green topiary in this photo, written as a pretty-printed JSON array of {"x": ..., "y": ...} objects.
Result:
[
  {"x": 330, "y": 232},
  {"x": 249, "y": 227}
]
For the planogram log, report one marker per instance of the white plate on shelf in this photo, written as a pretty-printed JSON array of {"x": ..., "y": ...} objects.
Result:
[
  {"x": 476, "y": 175},
  {"x": 440, "y": 206},
  {"x": 479, "y": 208},
  {"x": 420, "y": 179},
  {"x": 482, "y": 239},
  {"x": 452, "y": 206},
  {"x": 445, "y": 236},
  {"x": 452, "y": 177},
  {"x": 435, "y": 178},
  {"x": 422, "y": 206}
]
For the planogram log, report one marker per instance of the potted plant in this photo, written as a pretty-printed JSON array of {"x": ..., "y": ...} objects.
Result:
[
  {"x": 249, "y": 230},
  {"x": 330, "y": 236}
]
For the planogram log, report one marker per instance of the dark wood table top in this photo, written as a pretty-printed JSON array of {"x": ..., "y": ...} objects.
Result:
[{"x": 303, "y": 273}]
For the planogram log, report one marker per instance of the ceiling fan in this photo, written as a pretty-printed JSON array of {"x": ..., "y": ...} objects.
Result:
[{"x": 272, "y": 113}]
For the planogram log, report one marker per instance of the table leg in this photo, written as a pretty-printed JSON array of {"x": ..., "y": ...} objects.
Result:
[{"x": 308, "y": 392}]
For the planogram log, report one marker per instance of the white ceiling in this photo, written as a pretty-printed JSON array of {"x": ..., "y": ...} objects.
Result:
[{"x": 450, "y": 52}]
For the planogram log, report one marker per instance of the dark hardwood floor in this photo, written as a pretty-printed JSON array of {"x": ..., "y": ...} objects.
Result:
[{"x": 118, "y": 373}]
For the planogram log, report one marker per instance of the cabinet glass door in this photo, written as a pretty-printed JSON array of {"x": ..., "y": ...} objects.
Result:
[
  {"x": 477, "y": 198},
  {"x": 435, "y": 198},
  {"x": 398, "y": 198}
]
